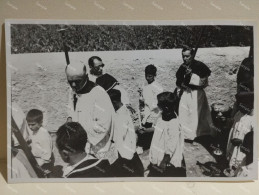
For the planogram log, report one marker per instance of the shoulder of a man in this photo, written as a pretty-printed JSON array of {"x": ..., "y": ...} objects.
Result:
[
  {"x": 181, "y": 69},
  {"x": 202, "y": 66},
  {"x": 95, "y": 93},
  {"x": 199, "y": 63},
  {"x": 98, "y": 90},
  {"x": 123, "y": 113},
  {"x": 101, "y": 99}
]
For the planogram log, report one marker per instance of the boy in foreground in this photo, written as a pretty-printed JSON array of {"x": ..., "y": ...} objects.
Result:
[
  {"x": 71, "y": 141},
  {"x": 41, "y": 142},
  {"x": 128, "y": 164},
  {"x": 166, "y": 150}
]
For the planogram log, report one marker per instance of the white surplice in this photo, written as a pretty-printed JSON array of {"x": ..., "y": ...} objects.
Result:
[
  {"x": 167, "y": 139},
  {"x": 150, "y": 92},
  {"x": 124, "y": 133},
  {"x": 95, "y": 112}
]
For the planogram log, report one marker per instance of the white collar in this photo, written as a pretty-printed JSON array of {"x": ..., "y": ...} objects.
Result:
[{"x": 70, "y": 168}]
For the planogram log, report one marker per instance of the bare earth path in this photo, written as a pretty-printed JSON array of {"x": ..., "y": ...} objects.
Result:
[{"x": 39, "y": 81}]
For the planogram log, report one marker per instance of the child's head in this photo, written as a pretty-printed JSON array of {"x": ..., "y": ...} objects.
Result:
[
  {"x": 71, "y": 140},
  {"x": 167, "y": 103},
  {"x": 115, "y": 96},
  {"x": 34, "y": 119},
  {"x": 69, "y": 119},
  {"x": 150, "y": 73}
]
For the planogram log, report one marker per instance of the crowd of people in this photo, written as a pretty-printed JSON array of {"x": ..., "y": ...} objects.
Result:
[
  {"x": 26, "y": 38},
  {"x": 99, "y": 138}
]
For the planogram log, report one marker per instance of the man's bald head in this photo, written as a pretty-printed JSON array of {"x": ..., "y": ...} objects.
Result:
[
  {"x": 76, "y": 75},
  {"x": 75, "y": 69}
]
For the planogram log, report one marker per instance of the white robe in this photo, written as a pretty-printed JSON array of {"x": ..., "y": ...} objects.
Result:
[
  {"x": 150, "y": 92},
  {"x": 124, "y": 94},
  {"x": 167, "y": 139},
  {"x": 243, "y": 123},
  {"x": 41, "y": 146},
  {"x": 95, "y": 112},
  {"x": 194, "y": 114},
  {"x": 124, "y": 133}
]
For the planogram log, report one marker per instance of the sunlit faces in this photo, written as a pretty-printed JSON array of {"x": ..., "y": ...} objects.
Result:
[
  {"x": 187, "y": 57},
  {"x": 97, "y": 68}
]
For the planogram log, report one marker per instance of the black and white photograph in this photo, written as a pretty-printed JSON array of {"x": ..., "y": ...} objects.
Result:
[{"x": 91, "y": 101}]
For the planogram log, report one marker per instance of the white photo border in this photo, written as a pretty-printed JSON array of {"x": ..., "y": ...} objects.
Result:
[{"x": 8, "y": 23}]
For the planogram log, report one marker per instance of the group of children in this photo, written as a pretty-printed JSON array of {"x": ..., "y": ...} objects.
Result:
[
  {"x": 160, "y": 131},
  {"x": 166, "y": 145}
]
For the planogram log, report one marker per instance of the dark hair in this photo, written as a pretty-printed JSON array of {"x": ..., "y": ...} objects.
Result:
[
  {"x": 167, "y": 101},
  {"x": 245, "y": 101},
  {"x": 187, "y": 48},
  {"x": 91, "y": 60},
  {"x": 151, "y": 69},
  {"x": 34, "y": 115},
  {"x": 72, "y": 137},
  {"x": 248, "y": 66},
  {"x": 115, "y": 95}
]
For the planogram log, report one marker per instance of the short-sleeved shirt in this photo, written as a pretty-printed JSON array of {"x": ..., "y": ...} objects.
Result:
[{"x": 41, "y": 146}]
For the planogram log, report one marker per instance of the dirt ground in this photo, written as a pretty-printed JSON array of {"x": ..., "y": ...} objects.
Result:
[{"x": 39, "y": 81}]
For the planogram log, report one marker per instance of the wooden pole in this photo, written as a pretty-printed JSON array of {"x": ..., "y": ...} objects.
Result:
[{"x": 65, "y": 47}]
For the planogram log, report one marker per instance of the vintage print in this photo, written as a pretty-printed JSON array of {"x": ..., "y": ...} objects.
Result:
[{"x": 92, "y": 101}]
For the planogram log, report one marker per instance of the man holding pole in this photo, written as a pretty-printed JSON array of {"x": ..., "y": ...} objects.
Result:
[{"x": 194, "y": 113}]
